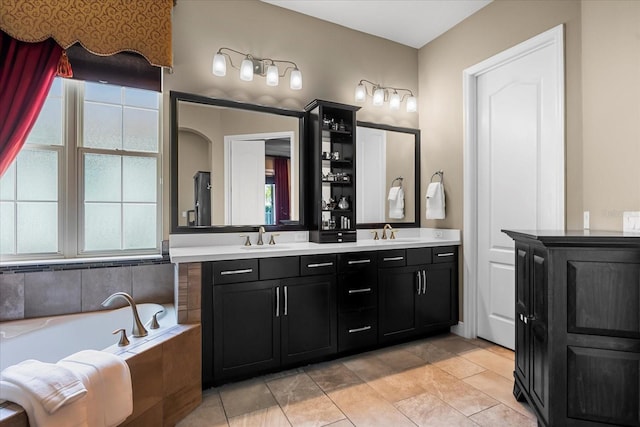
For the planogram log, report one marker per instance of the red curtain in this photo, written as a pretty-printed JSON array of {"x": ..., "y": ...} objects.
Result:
[
  {"x": 26, "y": 73},
  {"x": 281, "y": 171}
]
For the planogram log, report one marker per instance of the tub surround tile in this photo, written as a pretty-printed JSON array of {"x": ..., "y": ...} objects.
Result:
[
  {"x": 182, "y": 361},
  {"x": 147, "y": 384},
  {"x": 153, "y": 283},
  {"x": 194, "y": 286},
  {"x": 151, "y": 418},
  {"x": 99, "y": 283},
  {"x": 52, "y": 293},
  {"x": 177, "y": 405},
  {"x": 11, "y": 296}
]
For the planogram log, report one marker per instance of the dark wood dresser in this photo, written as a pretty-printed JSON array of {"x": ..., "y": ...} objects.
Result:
[{"x": 578, "y": 326}]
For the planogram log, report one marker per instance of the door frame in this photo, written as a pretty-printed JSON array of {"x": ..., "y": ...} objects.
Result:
[{"x": 554, "y": 37}]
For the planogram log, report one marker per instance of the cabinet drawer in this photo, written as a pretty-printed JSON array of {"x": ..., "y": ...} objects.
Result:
[
  {"x": 445, "y": 254},
  {"x": 311, "y": 265},
  {"x": 357, "y": 261},
  {"x": 242, "y": 270},
  {"x": 357, "y": 329},
  {"x": 419, "y": 256},
  {"x": 357, "y": 290},
  {"x": 392, "y": 258},
  {"x": 279, "y": 268}
]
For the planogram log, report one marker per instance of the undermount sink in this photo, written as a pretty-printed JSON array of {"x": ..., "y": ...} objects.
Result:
[
  {"x": 400, "y": 240},
  {"x": 265, "y": 247}
]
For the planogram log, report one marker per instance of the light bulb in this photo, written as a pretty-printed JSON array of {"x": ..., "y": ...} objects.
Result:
[
  {"x": 378, "y": 97},
  {"x": 246, "y": 70},
  {"x": 361, "y": 93},
  {"x": 219, "y": 65},
  {"x": 273, "y": 76},
  {"x": 394, "y": 101},
  {"x": 295, "y": 82},
  {"x": 412, "y": 104}
]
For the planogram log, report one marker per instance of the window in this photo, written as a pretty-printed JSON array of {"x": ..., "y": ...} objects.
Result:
[{"x": 87, "y": 180}]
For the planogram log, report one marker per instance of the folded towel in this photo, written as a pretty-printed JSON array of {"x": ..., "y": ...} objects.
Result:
[
  {"x": 435, "y": 201},
  {"x": 108, "y": 380},
  {"x": 51, "y": 385},
  {"x": 396, "y": 204}
]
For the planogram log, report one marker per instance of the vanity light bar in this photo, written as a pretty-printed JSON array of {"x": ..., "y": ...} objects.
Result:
[{"x": 381, "y": 94}]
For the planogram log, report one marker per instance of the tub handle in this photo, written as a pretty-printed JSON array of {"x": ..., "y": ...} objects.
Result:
[
  {"x": 153, "y": 324},
  {"x": 124, "y": 341}
]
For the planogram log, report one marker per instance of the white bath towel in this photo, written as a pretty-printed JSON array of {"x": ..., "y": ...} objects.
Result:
[
  {"x": 435, "y": 201},
  {"x": 108, "y": 381},
  {"x": 50, "y": 385},
  {"x": 396, "y": 202}
]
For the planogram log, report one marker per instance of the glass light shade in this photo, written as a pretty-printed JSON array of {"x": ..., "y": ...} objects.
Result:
[
  {"x": 361, "y": 93},
  {"x": 295, "y": 82},
  {"x": 394, "y": 101},
  {"x": 273, "y": 76},
  {"x": 378, "y": 97},
  {"x": 412, "y": 104},
  {"x": 219, "y": 65},
  {"x": 246, "y": 70}
]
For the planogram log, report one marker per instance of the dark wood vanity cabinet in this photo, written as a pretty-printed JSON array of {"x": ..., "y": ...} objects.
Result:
[
  {"x": 577, "y": 310},
  {"x": 258, "y": 326},
  {"x": 331, "y": 190},
  {"x": 418, "y": 292}
]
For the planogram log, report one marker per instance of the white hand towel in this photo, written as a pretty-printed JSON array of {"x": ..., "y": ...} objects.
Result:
[
  {"x": 396, "y": 204},
  {"x": 71, "y": 415},
  {"x": 52, "y": 386},
  {"x": 108, "y": 379},
  {"x": 393, "y": 193},
  {"x": 435, "y": 201}
]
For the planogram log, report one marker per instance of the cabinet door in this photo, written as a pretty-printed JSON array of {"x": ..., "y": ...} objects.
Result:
[
  {"x": 522, "y": 310},
  {"x": 246, "y": 329},
  {"x": 435, "y": 303},
  {"x": 397, "y": 291},
  {"x": 539, "y": 366},
  {"x": 308, "y": 315}
]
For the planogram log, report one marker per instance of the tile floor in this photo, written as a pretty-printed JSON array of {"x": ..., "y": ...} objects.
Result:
[{"x": 438, "y": 381}]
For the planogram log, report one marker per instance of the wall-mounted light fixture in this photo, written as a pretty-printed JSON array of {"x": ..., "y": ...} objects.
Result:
[
  {"x": 250, "y": 65},
  {"x": 381, "y": 94}
]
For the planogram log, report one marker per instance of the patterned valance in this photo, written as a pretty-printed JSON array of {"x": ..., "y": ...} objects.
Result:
[{"x": 103, "y": 27}]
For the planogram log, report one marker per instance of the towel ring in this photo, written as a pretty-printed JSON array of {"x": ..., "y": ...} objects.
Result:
[
  {"x": 440, "y": 173},
  {"x": 397, "y": 179}
]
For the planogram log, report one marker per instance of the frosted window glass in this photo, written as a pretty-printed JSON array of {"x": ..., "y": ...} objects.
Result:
[
  {"x": 139, "y": 226},
  {"x": 37, "y": 176},
  {"x": 139, "y": 175},
  {"x": 140, "y": 130},
  {"x": 48, "y": 128},
  {"x": 141, "y": 98},
  {"x": 102, "y": 93},
  {"x": 102, "y": 178},
  {"x": 8, "y": 183},
  {"x": 7, "y": 228},
  {"x": 102, "y": 226},
  {"x": 102, "y": 126},
  {"x": 37, "y": 227}
]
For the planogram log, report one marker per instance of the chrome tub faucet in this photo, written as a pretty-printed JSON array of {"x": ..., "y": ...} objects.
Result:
[{"x": 138, "y": 329}]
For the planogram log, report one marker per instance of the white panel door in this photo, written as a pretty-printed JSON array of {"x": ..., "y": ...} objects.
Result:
[
  {"x": 371, "y": 161},
  {"x": 517, "y": 119},
  {"x": 247, "y": 181}
]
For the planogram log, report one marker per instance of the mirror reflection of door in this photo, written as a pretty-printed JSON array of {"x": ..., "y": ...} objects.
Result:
[
  {"x": 371, "y": 150},
  {"x": 258, "y": 187}
]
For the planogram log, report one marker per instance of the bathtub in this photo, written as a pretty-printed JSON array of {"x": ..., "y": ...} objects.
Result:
[{"x": 50, "y": 339}]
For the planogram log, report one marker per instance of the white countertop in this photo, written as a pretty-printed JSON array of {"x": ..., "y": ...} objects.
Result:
[{"x": 217, "y": 247}]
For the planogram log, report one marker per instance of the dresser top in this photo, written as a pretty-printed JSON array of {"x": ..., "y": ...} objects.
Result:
[{"x": 577, "y": 237}]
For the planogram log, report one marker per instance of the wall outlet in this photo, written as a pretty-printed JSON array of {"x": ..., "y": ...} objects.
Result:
[
  {"x": 438, "y": 233},
  {"x": 631, "y": 221},
  {"x": 585, "y": 220}
]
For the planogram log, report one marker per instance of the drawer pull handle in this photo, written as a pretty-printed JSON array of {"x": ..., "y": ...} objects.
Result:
[
  {"x": 359, "y": 291},
  {"x": 393, "y": 258},
  {"x": 446, "y": 254},
  {"x": 229, "y": 272},
  {"x": 359, "y": 261},
  {"x": 424, "y": 282},
  {"x": 277, "y": 301},
  {"x": 320, "y": 264},
  {"x": 364, "y": 328},
  {"x": 286, "y": 302}
]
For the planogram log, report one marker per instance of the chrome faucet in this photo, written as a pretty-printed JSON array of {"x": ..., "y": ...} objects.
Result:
[
  {"x": 138, "y": 329},
  {"x": 384, "y": 232},
  {"x": 260, "y": 233}
]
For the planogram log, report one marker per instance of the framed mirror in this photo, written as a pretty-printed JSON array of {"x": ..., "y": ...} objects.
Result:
[
  {"x": 234, "y": 165},
  {"x": 387, "y": 176}
]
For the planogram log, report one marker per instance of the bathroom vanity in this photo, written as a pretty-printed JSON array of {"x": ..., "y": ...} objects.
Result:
[
  {"x": 578, "y": 326},
  {"x": 271, "y": 308}
]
